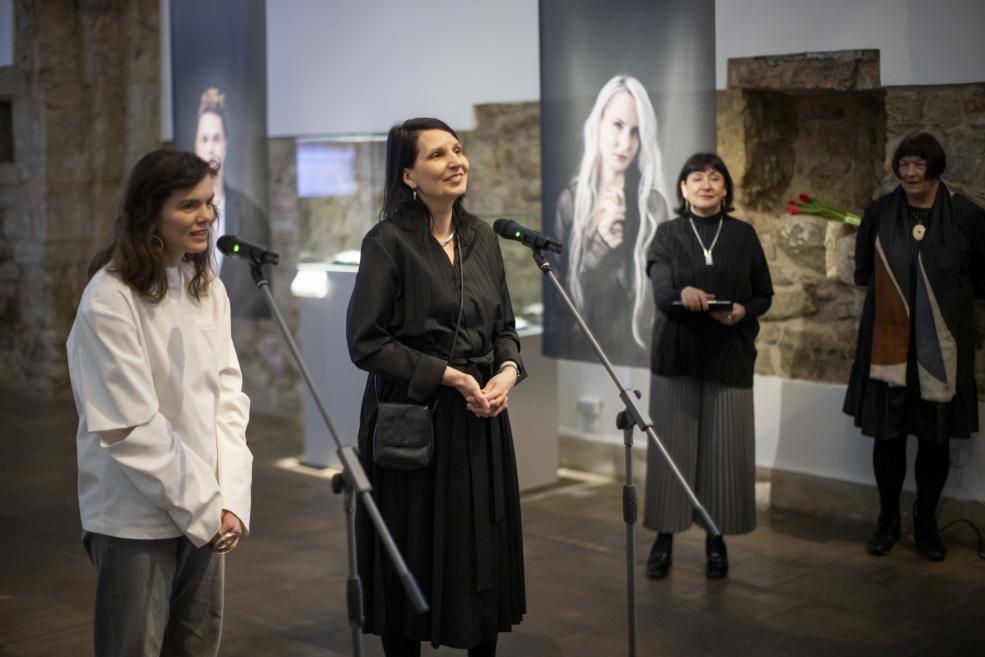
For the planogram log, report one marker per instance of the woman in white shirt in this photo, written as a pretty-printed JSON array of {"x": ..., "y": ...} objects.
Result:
[{"x": 164, "y": 469}]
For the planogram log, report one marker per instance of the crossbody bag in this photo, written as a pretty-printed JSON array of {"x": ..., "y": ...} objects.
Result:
[{"x": 404, "y": 435}]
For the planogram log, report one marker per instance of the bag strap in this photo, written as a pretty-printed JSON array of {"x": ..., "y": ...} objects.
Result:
[
  {"x": 458, "y": 322},
  {"x": 461, "y": 307}
]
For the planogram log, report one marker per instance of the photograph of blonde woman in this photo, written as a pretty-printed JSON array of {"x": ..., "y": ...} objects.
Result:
[{"x": 606, "y": 218}]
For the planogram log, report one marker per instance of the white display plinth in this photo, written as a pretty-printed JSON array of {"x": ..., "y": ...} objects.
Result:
[
  {"x": 325, "y": 352},
  {"x": 533, "y": 417}
]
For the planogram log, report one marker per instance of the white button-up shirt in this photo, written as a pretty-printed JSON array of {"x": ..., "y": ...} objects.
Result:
[{"x": 169, "y": 371}]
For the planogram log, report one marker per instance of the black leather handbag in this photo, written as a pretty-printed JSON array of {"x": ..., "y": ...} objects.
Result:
[{"x": 404, "y": 434}]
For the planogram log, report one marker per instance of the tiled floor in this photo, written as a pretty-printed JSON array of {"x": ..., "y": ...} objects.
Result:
[{"x": 798, "y": 586}]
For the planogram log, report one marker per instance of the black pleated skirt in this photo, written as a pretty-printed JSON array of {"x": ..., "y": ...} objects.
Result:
[
  {"x": 887, "y": 412},
  {"x": 457, "y": 524}
]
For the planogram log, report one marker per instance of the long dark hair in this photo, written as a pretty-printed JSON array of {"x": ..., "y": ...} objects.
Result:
[
  {"x": 703, "y": 162},
  {"x": 401, "y": 152},
  {"x": 136, "y": 253}
]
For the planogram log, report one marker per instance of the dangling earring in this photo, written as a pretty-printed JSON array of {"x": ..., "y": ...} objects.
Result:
[
  {"x": 414, "y": 193},
  {"x": 687, "y": 206},
  {"x": 157, "y": 242}
]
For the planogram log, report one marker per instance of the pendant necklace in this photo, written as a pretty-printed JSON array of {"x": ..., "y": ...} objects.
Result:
[
  {"x": 919, "y": 230},
  {"x": 708, "y": 259}
]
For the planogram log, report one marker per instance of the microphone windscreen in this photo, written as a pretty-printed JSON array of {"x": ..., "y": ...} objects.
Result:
[
  {"x": 505, "y": 227},
  {"x": 227, "y": 244}
]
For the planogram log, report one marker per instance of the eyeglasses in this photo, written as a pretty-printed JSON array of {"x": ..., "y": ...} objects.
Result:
[{"x": 917, "y": 166}]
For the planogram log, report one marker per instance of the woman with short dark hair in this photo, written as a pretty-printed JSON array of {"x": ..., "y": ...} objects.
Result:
[
  {"x": 702, "y": 363},
  {"x": 921, "y": 251},
  {"x": 430, "y": 319}
]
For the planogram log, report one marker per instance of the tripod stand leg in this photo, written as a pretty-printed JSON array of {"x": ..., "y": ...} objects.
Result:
[
  {"x": 354, "y": 588},
  {"x": 629, "y": 512}
]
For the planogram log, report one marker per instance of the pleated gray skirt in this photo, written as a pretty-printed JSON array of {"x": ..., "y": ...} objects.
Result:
[{"x": 708, "y": 430}]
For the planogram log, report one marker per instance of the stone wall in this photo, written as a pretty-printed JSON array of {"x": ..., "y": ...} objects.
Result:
[
  {"x": 820, "y": 124},
  {"x": 270, "y": 376},
  {"x": 85, "y": 91},
  {"x": 504, "y": 156}
]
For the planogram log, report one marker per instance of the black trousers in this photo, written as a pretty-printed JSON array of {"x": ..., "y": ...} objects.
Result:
[{"x": 931, "y": 469}]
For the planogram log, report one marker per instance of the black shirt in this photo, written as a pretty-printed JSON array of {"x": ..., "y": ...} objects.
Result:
[
  {"x": 405, "y": 302},
  {"x": 693, "y": 344}
]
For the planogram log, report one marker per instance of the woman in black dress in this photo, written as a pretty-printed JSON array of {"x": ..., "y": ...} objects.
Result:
[
  {"x": 701, "y": 391},
  {"x": 457, "y": 520},
  {"x": 921, "y": 252}
]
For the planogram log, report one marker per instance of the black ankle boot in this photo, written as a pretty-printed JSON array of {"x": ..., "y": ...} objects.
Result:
[
  {"x": 660, "y": 556},
  {"x": 717, "y": 555},
  {"x": 928, "y": 539},
  {"x": 887, "y": 533}
]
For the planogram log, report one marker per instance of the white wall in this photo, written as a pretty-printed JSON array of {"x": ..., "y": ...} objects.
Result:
[
  {"x": 351, "y": 66},
  {"x": 800, "y": 428},
  {"x": 920, "y": 42}
]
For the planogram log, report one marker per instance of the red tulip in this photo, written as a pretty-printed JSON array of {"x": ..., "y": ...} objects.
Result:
[
  {"x": 794, "y": 210},
  {"x": 805, "y": 198}
]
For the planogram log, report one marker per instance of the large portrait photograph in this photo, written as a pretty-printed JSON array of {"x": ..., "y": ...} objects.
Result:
[{"x": 612, "y": 122}]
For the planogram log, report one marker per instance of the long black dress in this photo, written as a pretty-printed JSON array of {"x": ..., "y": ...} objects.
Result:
[{"x": 457, "y": 522}]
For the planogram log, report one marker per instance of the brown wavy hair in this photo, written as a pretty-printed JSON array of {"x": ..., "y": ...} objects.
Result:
[{"x": 136, "y": 253}]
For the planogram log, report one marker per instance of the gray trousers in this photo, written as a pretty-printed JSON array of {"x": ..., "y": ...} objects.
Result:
[
  {"x": 708, "y": 430},
  {"x": 155, "y": 598}
]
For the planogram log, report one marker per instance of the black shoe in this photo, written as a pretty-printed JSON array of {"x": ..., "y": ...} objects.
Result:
[
  {"x": 887, "y": 533},
  {"x": 928, "y": 539},
  {"x": 717, "y": 566},
  {"x": 661, "y": 556}
]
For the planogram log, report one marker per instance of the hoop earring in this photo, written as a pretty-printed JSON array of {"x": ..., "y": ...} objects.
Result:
[{"x": 157, "y": 242}]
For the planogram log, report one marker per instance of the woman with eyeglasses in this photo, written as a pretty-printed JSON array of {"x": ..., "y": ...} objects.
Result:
[{"x": 920, "y": 251}]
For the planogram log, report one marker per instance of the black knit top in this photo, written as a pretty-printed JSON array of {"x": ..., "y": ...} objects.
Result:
[{"x": 695, "y": 344}]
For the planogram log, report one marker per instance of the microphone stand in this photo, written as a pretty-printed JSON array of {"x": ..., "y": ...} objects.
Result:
[
  {"x": 629, "y": 418},
  {"x": 354, "y": 482}
]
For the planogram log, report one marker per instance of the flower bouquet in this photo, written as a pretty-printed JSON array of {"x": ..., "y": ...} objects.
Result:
[{"x": 804, "y": 204}]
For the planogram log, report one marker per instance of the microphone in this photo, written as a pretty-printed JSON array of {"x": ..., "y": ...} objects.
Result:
[
  {"x": 232, "y": 246},
  {"x": 511, "y": 230}
]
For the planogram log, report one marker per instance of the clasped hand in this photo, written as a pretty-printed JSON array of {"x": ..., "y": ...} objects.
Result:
[
  {"x": 489, "y": 401},
  {"x": 230, "y": 531}
]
